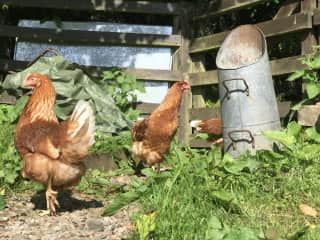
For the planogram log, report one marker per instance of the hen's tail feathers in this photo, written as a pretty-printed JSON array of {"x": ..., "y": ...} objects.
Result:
[
  {"x": 78, "y": 132},
  {"x": 211, "y": 126}
]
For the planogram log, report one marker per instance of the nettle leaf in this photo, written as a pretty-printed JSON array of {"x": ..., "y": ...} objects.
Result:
[
  {"x": 313, "y": 89},
  {"x": 215, "y": 229},
  {"x": 315, "y": 63},
  {"x": 280, "y": 136},
  {"x": 243, "y": 233},
  {"x": 236, "y": 167},
  {"x": 313, "y": 134},
  {"x": 296, "y": 75},
  {"x": 293, "y": 128}
]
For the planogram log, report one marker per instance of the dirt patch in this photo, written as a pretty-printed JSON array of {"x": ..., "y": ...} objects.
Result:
[{"x": 79, "y": 217}]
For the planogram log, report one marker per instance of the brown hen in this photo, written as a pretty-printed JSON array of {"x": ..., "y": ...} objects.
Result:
[
  {"x": 52, "y": 152},
  {"x": 210, "y": 126},
  {"x": 152, "y": 136}
]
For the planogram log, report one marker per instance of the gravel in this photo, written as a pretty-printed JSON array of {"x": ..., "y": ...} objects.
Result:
[{"x": 79, "y": 217}]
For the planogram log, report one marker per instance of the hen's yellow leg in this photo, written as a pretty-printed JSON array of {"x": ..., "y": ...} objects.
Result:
[{"x": 51, "y": 198}]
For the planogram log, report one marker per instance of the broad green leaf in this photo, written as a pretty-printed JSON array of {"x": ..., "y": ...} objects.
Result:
[
  {"x": 313, "y": 134},
  {"x": 214, "y": 223},
  {"x": 237, "y": 166},
  {"x": 315, "y": 63},
  {"x": 203, "y": 136},
  {"x": 313, "y": 89},
  {"x": 280, "y": 136},
  {"x": 243, "y": 233},
  {"x": 293, "y": 128},
  {"x": 296, "y": 75},
  {"x": 223, "y": 195}
]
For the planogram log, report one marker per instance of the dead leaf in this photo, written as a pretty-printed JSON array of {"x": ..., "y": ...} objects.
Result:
[{"x": 307, "y": 210}]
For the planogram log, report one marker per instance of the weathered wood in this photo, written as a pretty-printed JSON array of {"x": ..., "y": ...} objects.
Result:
[
  {"x": 79, "y": 36},
  {"x": 101, "y": 5},
  {"x": 286, "y": 65},
  {"x": 200, "y": 143},
  {"x": 140, "y": 74},
  {"x": 198, "y": 65},
  {"x": 287, "y": 9},
  {"x": 309, "y": 115},
  {"x": 203, "y": 78},
  {"x": 272, "y": 28},
  {"x": 278, "y": 67},
  {"x": 316, "y": 17},
  {"x": 307, "y": 7},
  {"x": 206, "y": 113},
  {"x": 225, "y": 6},
  {"x": 182, "y": 60},
  {"x": 7, "y": 99},
  {"x": 146, "y": 107}
]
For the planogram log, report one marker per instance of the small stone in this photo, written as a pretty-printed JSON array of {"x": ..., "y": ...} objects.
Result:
[
  {"x": 4, "y": 219},
  {"x": 95, "y": 224}
]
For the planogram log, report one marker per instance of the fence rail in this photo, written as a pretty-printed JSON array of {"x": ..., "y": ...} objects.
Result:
[
  {"x": 189, "y": 52},
  {"x": 145, "y": 7}
]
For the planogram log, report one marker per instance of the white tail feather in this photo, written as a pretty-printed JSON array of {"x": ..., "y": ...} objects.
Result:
[
  {"x": 195, "y": 124},
  {"x": 84, "y": 115}
]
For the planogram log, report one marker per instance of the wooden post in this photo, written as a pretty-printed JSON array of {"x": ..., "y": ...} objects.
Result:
[
  {"x": 181, "y": 60},
  {"x": 310, "y": 40},
  {"x": 198, "y": 65},
  {"x": 308, "y": 6}
]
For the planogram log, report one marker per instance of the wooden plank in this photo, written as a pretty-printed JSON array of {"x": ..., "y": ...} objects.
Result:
[
  {"x": 140, "y": 74},
  {"x": 316, "y": 17},
  {"x": 200, "y": 143},
  {"x": 272, "y": 28},
  {"x": 287, "y": 9},
  {"x": 308, "y": 6},
  {"x": 101, "y": 5},
  {"x": 7, "y": 99},
  {"x": 146, "y": 107},
  {"x": 286, "y": 65},
  {"x": 278, "y": 67},
  {"x": 203, "y": 78},
  {"x": 309, "y": 115},
  {"x": 84, "y": 37},
  {"x": 225, "y": 6},
  {"x": 206, "y": 113}
]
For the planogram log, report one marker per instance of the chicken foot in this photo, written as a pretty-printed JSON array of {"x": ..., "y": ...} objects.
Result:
[{"x": 51, "y": 199}]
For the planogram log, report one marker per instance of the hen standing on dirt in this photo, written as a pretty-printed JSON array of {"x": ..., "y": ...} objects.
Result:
[
  {"x": 52, "y": 152},
  {"x": 152, "y": 136}
]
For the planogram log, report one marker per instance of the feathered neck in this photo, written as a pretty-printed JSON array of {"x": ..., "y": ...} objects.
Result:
[
  {"x": 40, "y": 105},
  {"x": 172, "y": 99}
]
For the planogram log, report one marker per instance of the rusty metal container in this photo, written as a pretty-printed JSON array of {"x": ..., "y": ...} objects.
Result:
[{"x": 246, "y": 91}]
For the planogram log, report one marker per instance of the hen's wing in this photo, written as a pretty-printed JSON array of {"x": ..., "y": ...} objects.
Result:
[
  {"x": 77, "y": 133},
  {"x": 139, "y": 129}
]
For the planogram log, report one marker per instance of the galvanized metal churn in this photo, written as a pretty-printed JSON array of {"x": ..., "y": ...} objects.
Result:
[{"x": 246, "y": 91}]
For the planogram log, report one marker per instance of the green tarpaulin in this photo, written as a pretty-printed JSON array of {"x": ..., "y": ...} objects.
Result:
[{"x": 71, "y": 85}]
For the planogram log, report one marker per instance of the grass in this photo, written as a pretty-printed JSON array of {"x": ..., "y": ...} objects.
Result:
[{"x": 206, "y": 196}]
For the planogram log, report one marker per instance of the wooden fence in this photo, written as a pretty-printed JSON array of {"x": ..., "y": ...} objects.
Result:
[{"x": 294, "y": 17}]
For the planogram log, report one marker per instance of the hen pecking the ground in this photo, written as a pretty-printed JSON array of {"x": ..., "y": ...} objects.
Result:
[
  {"x": 152, "y": 136},
  {"x": 52, "y": 153},
  {"x": 210, "y": 126}
]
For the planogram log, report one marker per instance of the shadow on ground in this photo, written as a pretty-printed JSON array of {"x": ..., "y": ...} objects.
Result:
[{"x": 66, "y": 201}]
